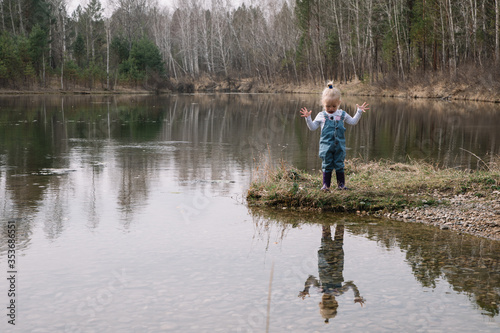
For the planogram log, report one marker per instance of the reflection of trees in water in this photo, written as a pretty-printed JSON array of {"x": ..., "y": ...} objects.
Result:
[
  {"x": 435, "y": 131},
  {"x": 45, "y": 140},
  {"x": 394, "y": 129},
  {"x": 130, "y": 134},
  {"x": 209, "y": 137},
  {"x": 132, "y": 180},
  {"x": 33, "y": 145},
  {"x": 264, "y": 229},
  {"x": 23, "y": 233},
  {"x": 240, "y": 126},
  {"x": 471, "y": 265}
]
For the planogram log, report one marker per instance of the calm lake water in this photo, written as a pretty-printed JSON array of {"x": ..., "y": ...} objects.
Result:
[{"x": 128, "y": 215}]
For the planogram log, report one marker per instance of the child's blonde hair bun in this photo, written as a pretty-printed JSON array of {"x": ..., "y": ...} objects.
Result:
[{"x": 330, "y": 93}]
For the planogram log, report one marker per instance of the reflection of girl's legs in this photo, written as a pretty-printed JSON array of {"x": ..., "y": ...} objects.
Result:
[
  {"x": 327, "y": 234},
  {"x": 331, "y": 259},
  {"x": 339, "y": 234},
  {"x": 338, "y": 256}
]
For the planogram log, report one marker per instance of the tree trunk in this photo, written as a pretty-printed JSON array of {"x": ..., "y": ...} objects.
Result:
[
  {"x": 205, "y": 39},
  {"x": 400, "y": 53},
  {"x": 443, "y": 34},
  {"x": 358, "y": 42},
  {"x": 497, "y": 32},
  {"x": 21, "y": 27},
  {"x": 62, "y": 14},
  {"x": 424, "y": 49},
  {"x": 91, "y": 39},
  {"x": 62, "y": 75},
  {"x": 12, "y": 18},
  {"x": 342, "y": 48},
  {"x": 3, "y": 16},
  {"x": 50, "y": 45},
  {"x": 108, "y": 42},
  {"x": 368, "y": 54},
  {"x": 473, "y": 4},
  {"x": 453, "y": 59},
  {"x": 43, "y": 71}
]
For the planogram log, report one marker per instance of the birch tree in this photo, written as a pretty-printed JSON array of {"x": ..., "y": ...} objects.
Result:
[
  {"x": 93, "y": 15},
  {"x": 107, "y": 25},
  {"x": 2, "y": 14},
  {"x": 20, "y": 12},
  {"x": 497, "y": 32},
  {"x": 220, "y": 30}
]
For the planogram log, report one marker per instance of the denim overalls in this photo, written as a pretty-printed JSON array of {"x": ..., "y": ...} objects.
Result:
[{"x": 332, "y": 143}]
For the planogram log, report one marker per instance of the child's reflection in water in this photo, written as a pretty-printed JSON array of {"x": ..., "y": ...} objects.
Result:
[{"x": 330, "y": 267}]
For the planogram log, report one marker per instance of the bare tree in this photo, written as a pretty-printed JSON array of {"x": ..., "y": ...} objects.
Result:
[
  {"x": 453, "y": 58},
  {"x": 220, "y": 29},
  {"x": 63, "y": 15},
  {"x": 3, "y": 14},
  {"x": 392, "y": 12},
  {"x": 20, "y": 12},
  {"x": 107, "y": 25},
  {"x": 340, "y": 30},
  {"x": 131, "y": 18},
  {"x": 187, "y": 18},
  {"x": 205, "y": 39},
  {"x": 92, "y": 11},
  {"x": 12, "y": 17},
  {"x": 286, "y": 38},
  {"x": 497, "y": 32}
]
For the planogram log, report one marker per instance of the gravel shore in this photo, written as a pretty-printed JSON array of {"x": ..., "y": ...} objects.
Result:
[{"x": 463, "y": 213}]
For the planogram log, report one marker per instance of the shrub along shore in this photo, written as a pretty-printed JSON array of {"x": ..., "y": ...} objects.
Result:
[{"x": 467, "y": 201}]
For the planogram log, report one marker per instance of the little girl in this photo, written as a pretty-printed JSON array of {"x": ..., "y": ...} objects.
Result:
[{"x": 332, "y": 141}]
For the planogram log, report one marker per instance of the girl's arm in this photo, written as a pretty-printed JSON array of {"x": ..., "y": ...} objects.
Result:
[
  {"x": 316, "y": 123},
  {"x": 311, "y": 281},
  {"x": 313, "y": 125},
  {"x": 353, "y": 120},
  {"x": 357, "y": 296},
  {"x": 360, "y": 109}
]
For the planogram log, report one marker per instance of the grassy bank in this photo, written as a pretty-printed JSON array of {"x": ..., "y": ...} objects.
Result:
[
  {"x": 375, "y": 186},
  {"x": 469, "y": 85}
]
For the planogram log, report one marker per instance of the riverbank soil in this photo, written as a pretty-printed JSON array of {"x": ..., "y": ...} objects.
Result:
[
  {"x": 463, "y": 85},
  {"x": 462, "y": 200}
]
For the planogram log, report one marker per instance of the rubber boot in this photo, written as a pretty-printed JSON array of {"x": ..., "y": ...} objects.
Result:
[
  {"x": 341, "y": 180},
  {"x": 327, "y": 181}
]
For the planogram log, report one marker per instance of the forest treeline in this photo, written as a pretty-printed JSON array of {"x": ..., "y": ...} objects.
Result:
[{"x": 142, "y": 44}]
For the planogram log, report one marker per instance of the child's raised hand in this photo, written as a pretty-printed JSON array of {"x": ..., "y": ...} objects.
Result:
[
  {"x": 363, "y": 107},
  {"x": 305, "y": 113},
  {"x": 359, "y": 300},
  {"x": 303, "y": 294}
]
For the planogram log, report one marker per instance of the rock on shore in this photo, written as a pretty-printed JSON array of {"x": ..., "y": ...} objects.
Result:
[{"x": 464, "y": 213}]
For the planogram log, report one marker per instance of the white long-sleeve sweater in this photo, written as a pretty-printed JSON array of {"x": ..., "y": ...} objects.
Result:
[{"x": 319, "y": 121}]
